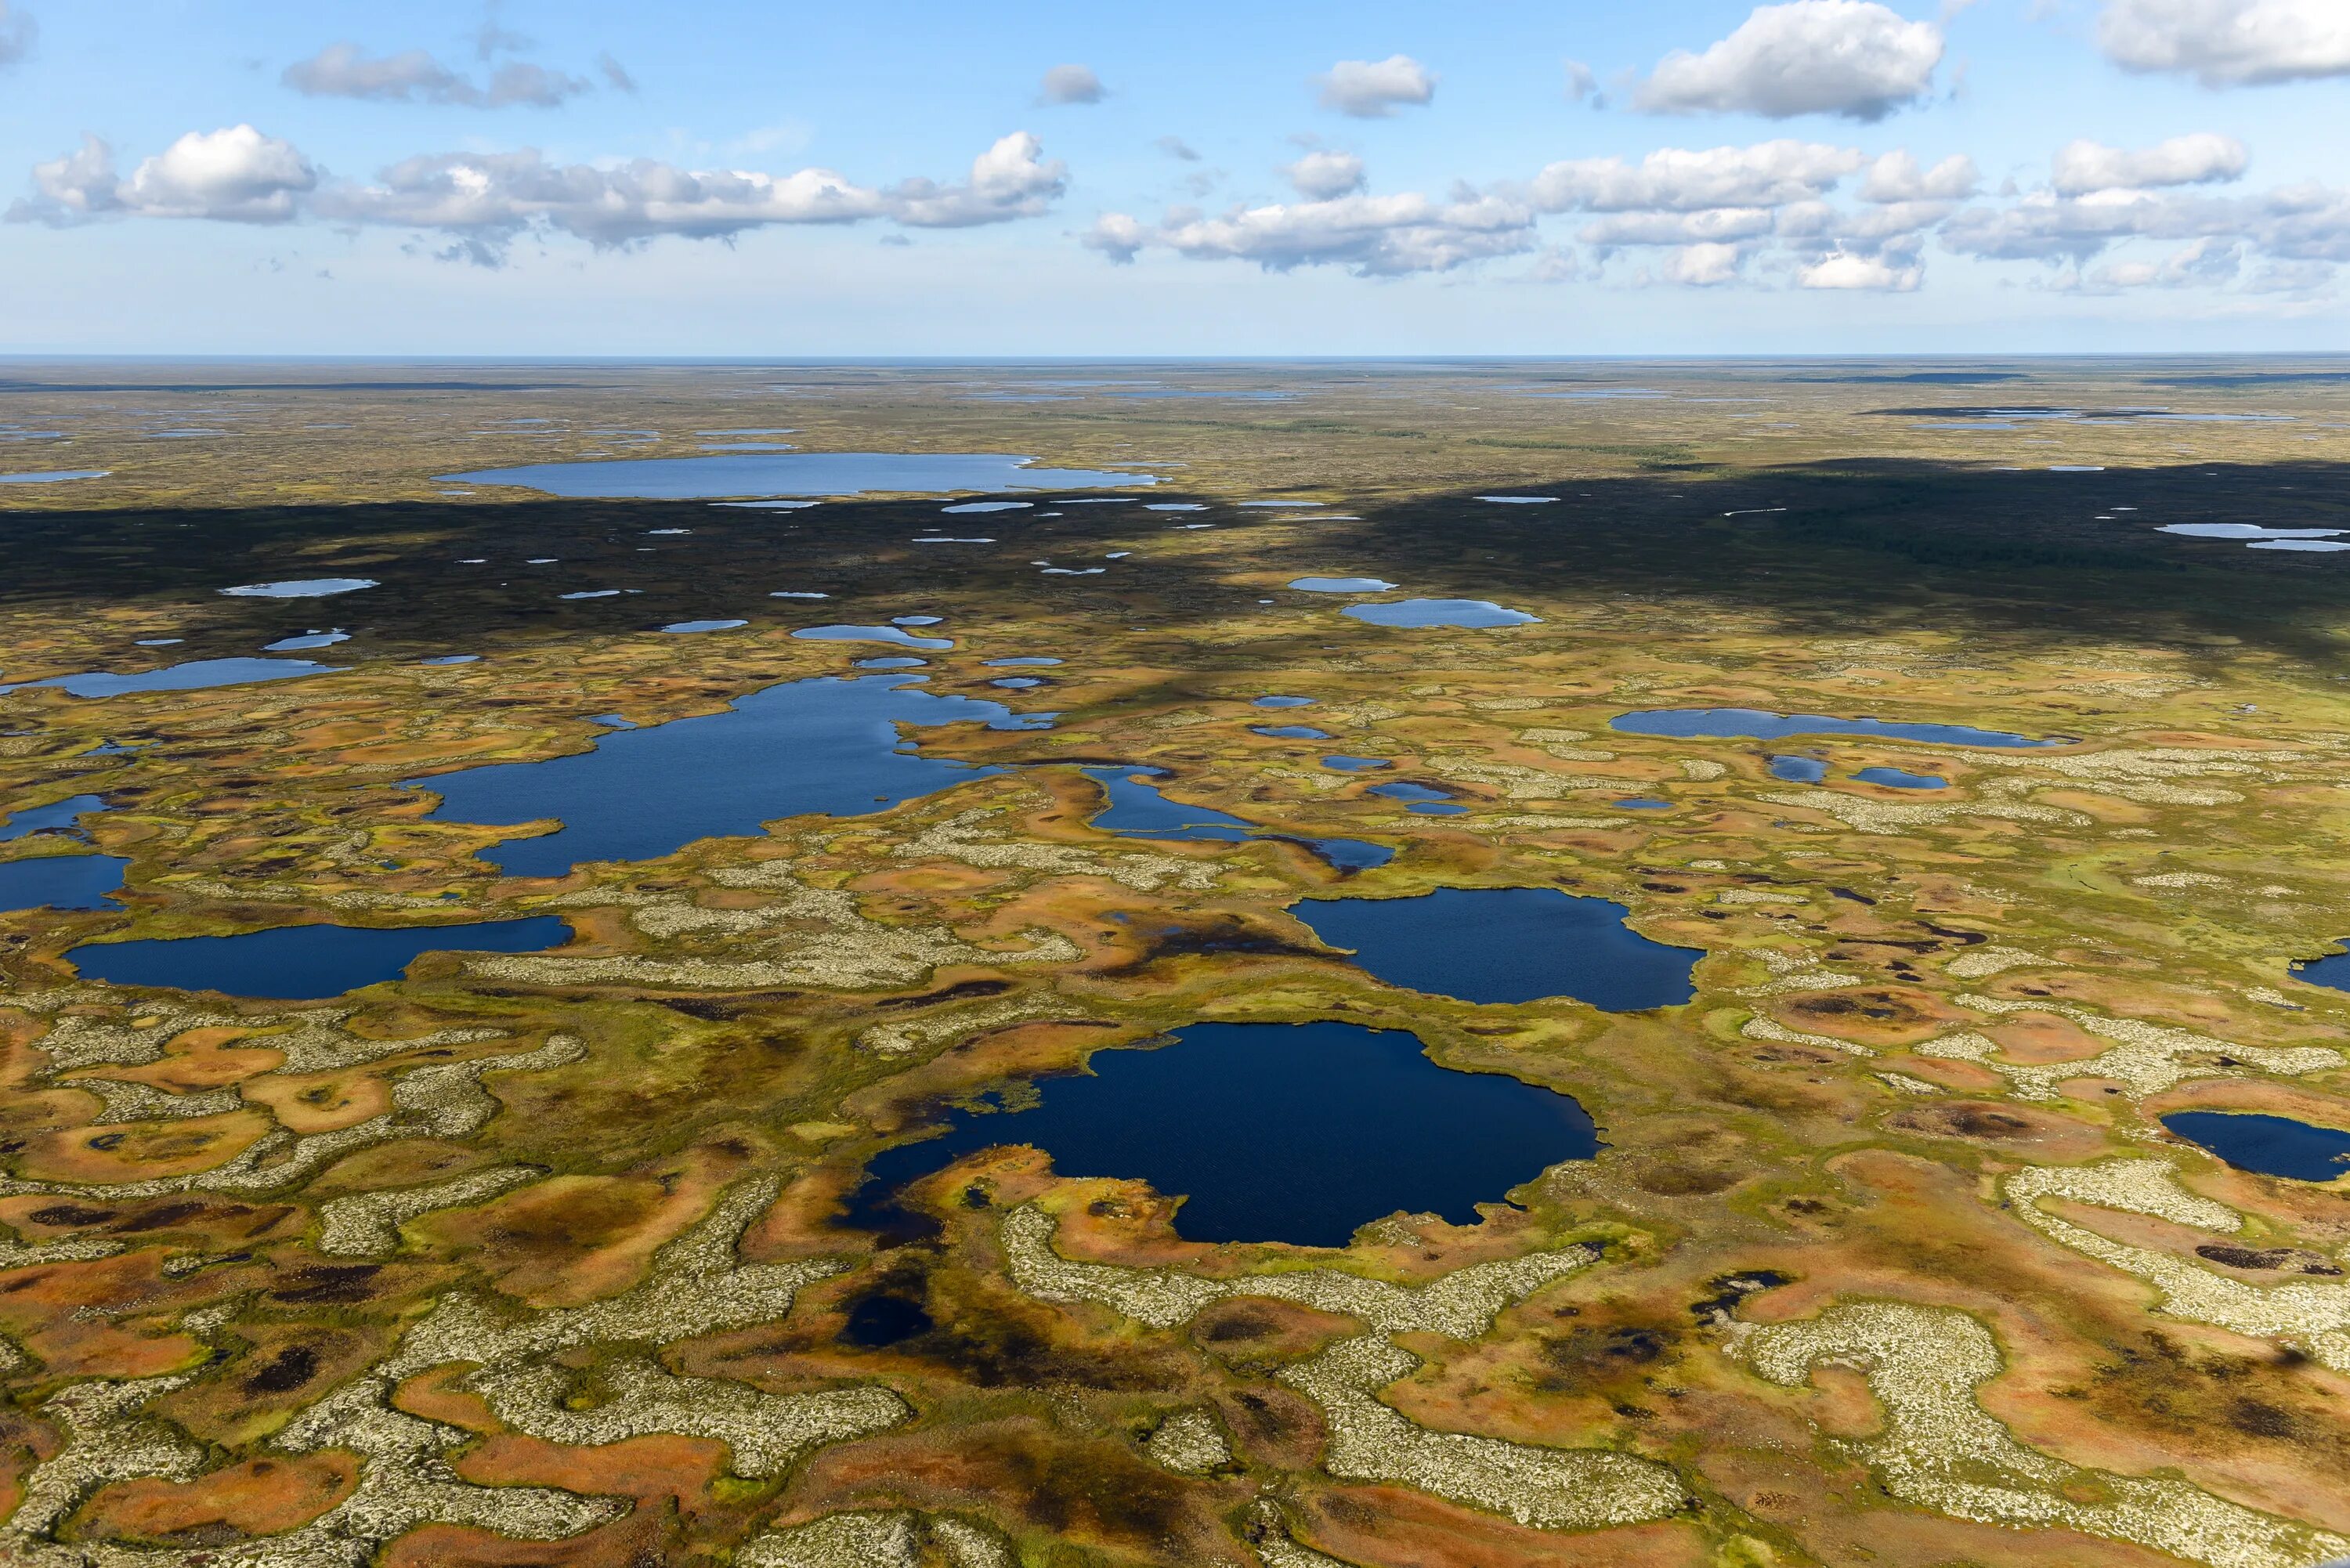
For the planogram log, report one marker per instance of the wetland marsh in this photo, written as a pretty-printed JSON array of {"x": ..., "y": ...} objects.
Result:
[{"x": 1759, "y": 1011}]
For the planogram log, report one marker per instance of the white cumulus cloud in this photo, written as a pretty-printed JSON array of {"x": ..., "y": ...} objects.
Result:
[
  {"x": 2085, "y": 166},
  {"x": 231, "y": 175},
  {"x": 1852, "y": 57},
  {"x": 482, "y": 201},
  {"x": 412, "y": 76},
  {"x": 1322, "y": 174},
  {"x": 1676, "y": 179},
  {"x": 1897, "y": 177},
  {"x": 1071, "y": 83},
  {"x": 1374, "y": 89},
  {"x": 1373, "y": 236},
  {"x": 1703, "y": 265},
  {"x": 2228, "y": 43},
  {"x": 1844, "y": 269}
]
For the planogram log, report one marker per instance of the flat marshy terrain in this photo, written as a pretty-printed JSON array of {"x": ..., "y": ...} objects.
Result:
[{"x": 609, "y": 1027}]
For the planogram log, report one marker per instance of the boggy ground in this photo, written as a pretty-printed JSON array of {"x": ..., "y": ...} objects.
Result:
[{"x": 540, "y": 1259}]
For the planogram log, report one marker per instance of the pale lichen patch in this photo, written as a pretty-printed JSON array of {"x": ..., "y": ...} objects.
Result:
[
  {"x": 1940, "y": 1449},
  {"x": 1189, "y": 1443},
  {"x": 1552, "y": 1487},
  {"x": 2313, "y": 1314}
]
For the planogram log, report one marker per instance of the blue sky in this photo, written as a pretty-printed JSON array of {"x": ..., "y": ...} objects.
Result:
[{"x": 1831, "y": 176}]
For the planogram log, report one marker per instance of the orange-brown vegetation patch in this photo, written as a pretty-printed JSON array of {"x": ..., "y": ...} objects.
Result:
[
  {"x": 322, "y": 1102},
  {"x": 113, "y": 1317},
  {"x": 139, "y": 1151},
  {"x": 283, "y": 1368},
  {"x": 1390, "y": 1527},
  {"x": 1093, "y": 1491},
  {"x": 1879, "y": 1015},
  {"x": 2039, "y": 1038},
  {"x": 259, "y": 1497},
  {"x": 573, "y": 1238},
  {"x": 2023, "y": 1131},
  {"x": 638, "y": 1538}
]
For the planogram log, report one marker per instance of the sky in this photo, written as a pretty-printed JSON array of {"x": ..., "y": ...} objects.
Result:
[{"x": 1375, "y": 177}]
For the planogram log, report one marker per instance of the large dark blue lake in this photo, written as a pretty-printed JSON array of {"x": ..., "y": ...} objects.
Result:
[
  {"x": 1270, "y": 1132},
  {"x": 1754, "y": 723},
  {"x": 827, "y": 745},
  {"x": 2272, "y": 1146},
  {"x": 299, "y": 963},
  {"x": 795, "y": 473},
  {"x": 1506, "y": 945}
]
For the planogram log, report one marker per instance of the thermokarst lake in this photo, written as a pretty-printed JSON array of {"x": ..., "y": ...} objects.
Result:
[
  {"x": 827, "y": 745},
  {"x": 1505, "y": 945},
  {"x": 1296, "y": 1132}
]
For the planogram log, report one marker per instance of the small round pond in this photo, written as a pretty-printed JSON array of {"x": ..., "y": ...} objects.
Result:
[{"x": 2270, "y": 1145}]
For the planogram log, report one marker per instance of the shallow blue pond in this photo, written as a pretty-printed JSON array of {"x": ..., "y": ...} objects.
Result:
[
  {"x": 296, "y": 963},
  {"x": 1471, "y": 614},
  {"x": 2331, "y": 973},
  {"x": 58, "y": 816},
  {"x": 1290, "y": 731},
  {"x": 1900, "y": 778},
  {"x": 1506, "y": 945},
  {"x": 1138, "y": 810},
  {"x": 1754, "y": 723},
  {"x": 1424, "y": 800},
  {"x": 896, "y": 634},
  {"x": 2272, "y": 1146},
  {"x": 54, "y": 476},
  {"x": 1269, "y": 1132},
  {"x": 1341, "y": 585},
  {"x": 1799, "y": 770},
  {"x": 196, "y": 675},
  {"x": 827, "y": 745},
  {"x": 793, "y": 474},
  {"x": 1282, "y": 703},
  {"x": 301, "y": 588},
  {"x": 1345, "y": 764},
  {"x": 61, "y": 882}
]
